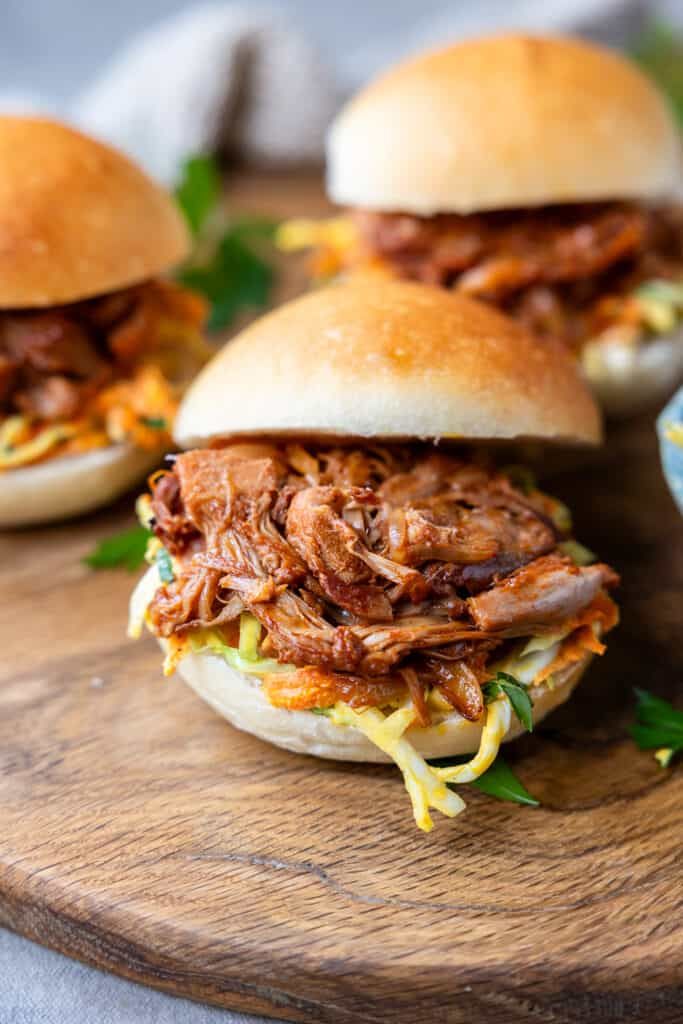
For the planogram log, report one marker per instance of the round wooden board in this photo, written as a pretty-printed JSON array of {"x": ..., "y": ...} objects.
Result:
[{"x": 142, "y": 834}]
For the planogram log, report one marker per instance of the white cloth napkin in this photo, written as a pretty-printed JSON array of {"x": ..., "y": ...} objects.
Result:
[{"x": 214, "y": 77}]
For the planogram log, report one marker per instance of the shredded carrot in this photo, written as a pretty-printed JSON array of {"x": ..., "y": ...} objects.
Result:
[
  {"x": 157, "y": 348},
  {"x": 140, "y": 409},
  {"x": 601, "y": 612},
  {"x": 307, "y": 688}
]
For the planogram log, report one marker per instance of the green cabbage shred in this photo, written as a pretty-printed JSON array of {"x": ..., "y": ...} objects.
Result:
[{"x": 244, "y": 658}]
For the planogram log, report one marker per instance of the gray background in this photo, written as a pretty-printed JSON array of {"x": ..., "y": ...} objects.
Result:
[{"x": 55, "y": 47}]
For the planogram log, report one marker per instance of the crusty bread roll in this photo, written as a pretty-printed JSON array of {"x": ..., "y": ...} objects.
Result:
[
  {"x": 388, "y": 359},
  {"x": 77, "y": 218},
  {"x": 70, "y": 485},
  {"x": 504, "y": 121},
  {"x": 375, "y": 359}
]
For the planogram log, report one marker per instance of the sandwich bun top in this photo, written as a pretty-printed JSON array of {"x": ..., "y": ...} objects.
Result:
[
  {"x": 77, "y": 218},
  {"x": 372, "y": 357},
  {"x": 502, "y": 122}
]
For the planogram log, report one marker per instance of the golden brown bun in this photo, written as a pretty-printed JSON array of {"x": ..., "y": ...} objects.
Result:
[
  {"x": 77, "y": 218},
  {"x": 71, "y": 485},
  {"x": 240, "y": 699},
  {"x": 378, "y": 358},
  {"x": 504, "y": 121}
]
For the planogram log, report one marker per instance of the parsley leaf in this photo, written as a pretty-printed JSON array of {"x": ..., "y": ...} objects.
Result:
[
  {"x": 659, "y": 50},
  {"x": 230, "y": 265},
  {"x": 198, "y": 191},
  {"x": 499, "y": 780},
  {"x": 154, "y": 422},
  {"x": 516, "y": 693},
  {"x": 521, "y": 477},
  {"x": 125, "y": 549},
  {"x": 659, "y": 726},
  {"x": 233, "y": 279},
  {"x": 251, "y": 228}
]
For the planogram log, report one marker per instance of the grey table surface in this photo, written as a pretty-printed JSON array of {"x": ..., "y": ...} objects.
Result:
[{"x": 38, "y": 986}]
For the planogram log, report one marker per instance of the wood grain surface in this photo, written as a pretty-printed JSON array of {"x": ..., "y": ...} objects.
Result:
[{"x": 142, "y": 834}]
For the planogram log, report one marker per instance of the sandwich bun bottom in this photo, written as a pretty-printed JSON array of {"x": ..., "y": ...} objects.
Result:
[
  {"x": 71, "y": 485},
  {"x": 626, "y": 379},
  {"x": 240, "y": 699}
]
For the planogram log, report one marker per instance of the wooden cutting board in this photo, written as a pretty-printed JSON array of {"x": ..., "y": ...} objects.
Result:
[{"x": 140, "y": 833}]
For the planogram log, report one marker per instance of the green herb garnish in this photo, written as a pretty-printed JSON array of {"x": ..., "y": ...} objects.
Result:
[
  {"x": 164, "y": 566},
  {"x": 516, "y": 693},
  {"x": 199, "y": 190},
  {"x": 521, "y": 477},
  {"x": 659, "y": 726},
  {"x": 579, "y": 553},
  {"x": 499, "y": 780},
  {"x": 154, "y": 422},
  {"x": 659, "y": 51},
  {"x": 233, "y": 279},
  {"x": 123, "y": 550},
  {"x": 230, "y": 266}
]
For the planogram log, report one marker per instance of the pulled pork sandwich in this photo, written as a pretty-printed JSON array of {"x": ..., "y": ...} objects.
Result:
[
  {"x": 95, "y": 349},
  {"x": 330, "y": 579},
  {"x": 536, "y": 174}
]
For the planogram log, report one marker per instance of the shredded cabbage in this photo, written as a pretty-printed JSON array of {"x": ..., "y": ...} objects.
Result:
[
  {"x": 13, "y": 431},
  {"x": 526, "y": 666},
  {"x": 498, "y": 718},
  {"x": 661, "y": 303},
  {"x": 662, "y": 291},
  {"x": 541, "y": 643},
  {"x": 13, "y": 455},
  {"x": 250, "y": 634},
  {"x": 144, "y": 511},
  {"x": 561, "y": 515},
  {"x": 244, "y": 658},
  {"x": 303, "y": 233},
  {"x": 427, "y": 785},
  {"x": 424, "y": 786},
  {"x": 579, "y": 553}
]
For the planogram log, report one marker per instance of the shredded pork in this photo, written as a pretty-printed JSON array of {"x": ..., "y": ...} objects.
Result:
[
  {"x": 54, "y": 362},
  {"x": 565, "y": 271},
  {"x": 369, "y": 570}
]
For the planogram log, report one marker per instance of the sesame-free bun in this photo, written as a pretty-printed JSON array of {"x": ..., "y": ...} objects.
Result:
[
  {"x": 387, "y": 359},
  {"x": 77, "y": 218},
  {"x": 500, "y": 122},
  {"x": 71, "y": 485},
  {"x": 240, "y": 699}
]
